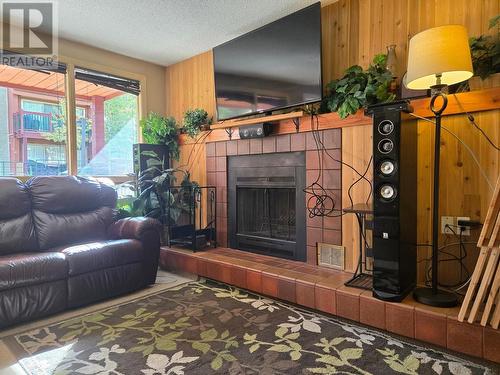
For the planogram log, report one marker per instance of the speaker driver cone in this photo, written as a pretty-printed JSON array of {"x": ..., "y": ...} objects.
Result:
[
  {"x": 387, "y": 168},
  {"x": 387, "y": 192},
  {"x": 385, "y": 146},
  {"x": 385, "y": 127}
]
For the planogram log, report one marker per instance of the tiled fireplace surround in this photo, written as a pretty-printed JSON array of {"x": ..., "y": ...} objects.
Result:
[{"x": 319, "y": 229}]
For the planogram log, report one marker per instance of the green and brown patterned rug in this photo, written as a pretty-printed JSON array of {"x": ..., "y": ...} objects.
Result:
[{"x": 206, "y": 328}]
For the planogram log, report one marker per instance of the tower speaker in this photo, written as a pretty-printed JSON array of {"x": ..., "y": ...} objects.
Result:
[{"x": 394, "y": 201}]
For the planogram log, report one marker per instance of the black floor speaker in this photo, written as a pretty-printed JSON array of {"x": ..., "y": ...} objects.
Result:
[{"x": 394, "y": 201}]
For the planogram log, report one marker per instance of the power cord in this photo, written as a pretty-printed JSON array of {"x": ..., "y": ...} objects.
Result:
[
  {"x": 472, "y": 154},
  {"x": 320, "y": 203},
  {"x": 472, "y": 120}
]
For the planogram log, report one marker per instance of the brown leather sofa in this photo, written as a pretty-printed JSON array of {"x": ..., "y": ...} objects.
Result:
[{"x": 60, "y": 247}]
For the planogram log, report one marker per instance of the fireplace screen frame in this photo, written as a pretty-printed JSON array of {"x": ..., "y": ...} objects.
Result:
[{"x": 277, "y": 170}]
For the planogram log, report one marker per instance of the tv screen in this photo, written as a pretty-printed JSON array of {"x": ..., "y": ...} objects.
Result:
[{"x": 274, "y": 67}]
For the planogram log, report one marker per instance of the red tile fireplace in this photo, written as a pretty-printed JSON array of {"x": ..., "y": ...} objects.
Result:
[{"x": 317, "y": 229}]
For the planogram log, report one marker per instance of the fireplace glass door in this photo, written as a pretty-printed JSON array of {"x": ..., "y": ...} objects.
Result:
[
  {"x": 266, "y": 204},
  {"x": 266, "y": 212}
]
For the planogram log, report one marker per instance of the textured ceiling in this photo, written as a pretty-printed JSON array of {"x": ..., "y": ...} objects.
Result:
[{"x": 166, "y": 31}]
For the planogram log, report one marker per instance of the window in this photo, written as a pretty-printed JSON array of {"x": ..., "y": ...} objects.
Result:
[
  {"x": 34, "y": 126},
  {"x": 113, "y": 123},
  {"x": 32, "y": 131}
]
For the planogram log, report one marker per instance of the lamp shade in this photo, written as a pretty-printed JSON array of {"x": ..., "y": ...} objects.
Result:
[{"x": 441, "y": 50}]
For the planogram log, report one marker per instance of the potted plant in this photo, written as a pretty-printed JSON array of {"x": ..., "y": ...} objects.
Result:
[
  {"x": 359, "y": 88},
  {"x": 485, "y": 53},
  {"x": 158, "y": 196},
  {"x": 161, "y": 136},
  {"x": 195, "y": 120}
]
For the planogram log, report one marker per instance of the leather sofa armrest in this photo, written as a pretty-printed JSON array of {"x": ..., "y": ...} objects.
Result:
[
  {"x": 146, "y": 230},
  {"x": 133, "y": 228}
]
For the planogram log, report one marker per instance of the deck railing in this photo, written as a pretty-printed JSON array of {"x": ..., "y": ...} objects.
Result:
[
  {"x": 33, "y": 121},
  {"x": 33, "y": 168}
]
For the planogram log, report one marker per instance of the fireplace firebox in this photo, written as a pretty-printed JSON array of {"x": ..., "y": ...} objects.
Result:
[{"x": 266, "y": 203}]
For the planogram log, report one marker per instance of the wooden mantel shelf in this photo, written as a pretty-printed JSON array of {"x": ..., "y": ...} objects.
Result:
[
  {"x": 256, "y": 120},
  {"x": 474, "y": 101},
  {"x": 286, "y": 126}
]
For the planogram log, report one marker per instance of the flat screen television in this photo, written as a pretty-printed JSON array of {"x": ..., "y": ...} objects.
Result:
[{"x": 274, "y": 67}]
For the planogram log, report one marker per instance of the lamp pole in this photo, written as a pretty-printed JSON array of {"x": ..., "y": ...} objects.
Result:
[{"x": 435, "y": 296}]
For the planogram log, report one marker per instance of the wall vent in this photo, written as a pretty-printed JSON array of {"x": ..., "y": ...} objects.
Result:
[{"x": 331, "y": 256}]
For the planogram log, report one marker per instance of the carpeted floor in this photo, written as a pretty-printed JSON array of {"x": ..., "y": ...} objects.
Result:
[{"x": 205, "y": 328}]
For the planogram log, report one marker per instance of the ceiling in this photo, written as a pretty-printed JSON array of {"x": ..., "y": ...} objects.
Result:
[{"x": 165, "y": 31}]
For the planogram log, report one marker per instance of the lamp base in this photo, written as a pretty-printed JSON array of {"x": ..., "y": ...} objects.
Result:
[{"x": 439, "y": 299}]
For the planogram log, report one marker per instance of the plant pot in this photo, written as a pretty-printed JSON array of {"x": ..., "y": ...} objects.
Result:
[
  {"x": 205, "y": 127},
  {"x": 140, "y": 160}
]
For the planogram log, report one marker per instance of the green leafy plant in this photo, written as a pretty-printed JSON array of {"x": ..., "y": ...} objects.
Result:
[
  {"x": 194, "y": 119},
  {"x": 157, "y": 129},
  {"x": 359, "y": 88},
  {"x": 127, "y": 194},
  {"x": 485, "y": 51},
  {"x": 158, "y": 197}
]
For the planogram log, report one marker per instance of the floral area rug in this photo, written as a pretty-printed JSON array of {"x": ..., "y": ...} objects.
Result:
[{"x": 207, "y": 328}]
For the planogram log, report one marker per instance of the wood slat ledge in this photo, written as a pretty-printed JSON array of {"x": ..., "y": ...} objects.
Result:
[{"x": 473, "y": 101}]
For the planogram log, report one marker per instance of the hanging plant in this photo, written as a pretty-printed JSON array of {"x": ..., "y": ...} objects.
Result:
[{"x": 359, "y": 88}]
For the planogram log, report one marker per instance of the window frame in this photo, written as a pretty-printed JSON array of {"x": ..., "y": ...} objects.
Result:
[
  {"x": 71, "y": 105},
  {"x": 71, "y": 143}
]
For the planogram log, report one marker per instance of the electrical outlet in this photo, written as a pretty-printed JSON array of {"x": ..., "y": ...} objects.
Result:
[
  {"x": 447, "y": 220},
  {"x": 466, "y": 232}
]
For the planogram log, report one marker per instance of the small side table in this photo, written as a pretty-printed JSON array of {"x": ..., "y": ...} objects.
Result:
[{"x": 362, "y": 278}]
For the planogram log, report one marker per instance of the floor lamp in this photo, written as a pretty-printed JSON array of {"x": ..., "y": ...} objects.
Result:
[{"x": 437, "y": 58}]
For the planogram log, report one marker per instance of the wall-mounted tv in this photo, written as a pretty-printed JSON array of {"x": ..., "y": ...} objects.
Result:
[{"x": 274, "y": 67}]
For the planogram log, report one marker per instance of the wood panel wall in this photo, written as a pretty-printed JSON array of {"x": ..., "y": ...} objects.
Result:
[{"x": 353, "y": 31}]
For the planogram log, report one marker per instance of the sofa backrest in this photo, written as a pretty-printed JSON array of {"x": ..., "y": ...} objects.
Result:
[
  {"x": 17, "y": 232},
  {"x": 69, "y": 210}
]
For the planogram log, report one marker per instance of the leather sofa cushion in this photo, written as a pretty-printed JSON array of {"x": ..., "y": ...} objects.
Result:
[
  {"x": 69, "y": 210},
  {"x": 69, "y": 194},
  {"x": 107, "y": 283},
  {"x": 32, "y": 302},
  {"x": 17, "y": 232},
  {"x": 31, "y": 268},
  {"x": 99, "y": 255},
  {"x": 55, "y": 230}
]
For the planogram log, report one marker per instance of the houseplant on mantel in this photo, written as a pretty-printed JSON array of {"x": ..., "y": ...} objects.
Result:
[
  {"x": 359, "y": 88},
  {"x": 485, "y": 51},
  {"x": 195, "y": 120}
]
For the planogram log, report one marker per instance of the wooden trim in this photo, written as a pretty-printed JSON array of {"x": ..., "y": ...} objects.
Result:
[
  {"x": 307, "y": 124},
  {"x": 256, "y": 120},
  {"x": 472, "y": 101},
  {"x": 71, "y": 140}
]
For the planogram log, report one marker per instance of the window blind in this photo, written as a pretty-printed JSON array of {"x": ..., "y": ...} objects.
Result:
[
  {"x": 130, "y": 86},
  {"x": 58, "y": 67}
]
